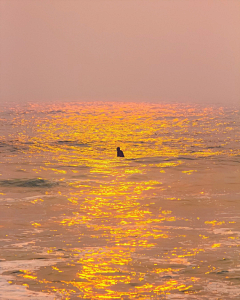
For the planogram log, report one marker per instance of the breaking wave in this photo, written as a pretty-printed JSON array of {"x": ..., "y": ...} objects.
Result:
[{"x": 28, "y": 183}]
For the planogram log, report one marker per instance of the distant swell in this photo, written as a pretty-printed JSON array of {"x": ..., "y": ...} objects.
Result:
[
  {"x": 28, "y": 183},
  {"x": 72, "y": 143}
]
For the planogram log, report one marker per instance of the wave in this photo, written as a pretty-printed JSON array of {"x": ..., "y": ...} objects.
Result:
[
  {"x": 189, "y": 157},
  {"x": 38, "y": 182},
  {"x": 72, "y": 143}
]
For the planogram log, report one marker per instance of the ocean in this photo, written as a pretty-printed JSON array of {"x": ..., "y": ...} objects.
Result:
[{"x": 78, "y": 222}]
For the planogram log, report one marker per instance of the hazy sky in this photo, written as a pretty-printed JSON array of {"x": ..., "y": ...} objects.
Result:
[{"x": 156, "y": 50}]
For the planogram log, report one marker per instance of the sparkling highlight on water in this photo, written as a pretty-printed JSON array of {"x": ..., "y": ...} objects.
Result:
[{"x": 78, "y": 222}]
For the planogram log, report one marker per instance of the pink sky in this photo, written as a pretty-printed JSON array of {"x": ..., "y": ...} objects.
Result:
[{"x": 158, "y": 50}]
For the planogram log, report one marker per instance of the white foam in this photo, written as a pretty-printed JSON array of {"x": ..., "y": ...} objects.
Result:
[{"x": 16, "y": 292}]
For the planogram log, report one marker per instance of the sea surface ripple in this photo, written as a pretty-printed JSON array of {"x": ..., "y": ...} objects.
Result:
[{"x": 77, "y": 222}]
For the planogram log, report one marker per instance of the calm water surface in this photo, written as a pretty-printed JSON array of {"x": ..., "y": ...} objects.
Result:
[{"x": 76, "y": 222}]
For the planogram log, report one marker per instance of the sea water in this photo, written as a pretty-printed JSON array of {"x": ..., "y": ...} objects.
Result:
[{"x": 77, "y": 222}]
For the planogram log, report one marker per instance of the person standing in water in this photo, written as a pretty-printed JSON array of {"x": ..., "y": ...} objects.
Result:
[{"x": 119, "y": 152}]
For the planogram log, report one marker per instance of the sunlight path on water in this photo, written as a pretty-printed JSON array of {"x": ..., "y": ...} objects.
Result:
[{"x": 161, "y": 223}]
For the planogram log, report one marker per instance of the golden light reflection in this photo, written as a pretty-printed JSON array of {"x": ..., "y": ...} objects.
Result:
[
  {"x": 36, "y": 224},
  {"x": 80, "y": 131},
  {"x": 122, "y": 228},
  {"x": 215, "y": 222}
]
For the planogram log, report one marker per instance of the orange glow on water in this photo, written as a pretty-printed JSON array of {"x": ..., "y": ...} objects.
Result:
[{"x": 121, "y": 228}]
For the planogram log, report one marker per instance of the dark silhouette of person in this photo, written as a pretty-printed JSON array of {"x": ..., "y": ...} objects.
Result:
[{"x": 119, "y": 152}]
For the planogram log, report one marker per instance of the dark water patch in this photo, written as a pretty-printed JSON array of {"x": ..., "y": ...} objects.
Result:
[
  {"x": 213, "y": 147},
  {"x": 134, "y": 142},
  {"x": 64, "y": 142},
  {"x": 236, "y": 161},
  {"x": 52, "y": 112},
  {"x": 188, "y": 157},
  {"x": 15, "y": 272},
  {"x": 72, "y": 143},
  {"x": 14, "y": 146},
  {"x": 233, "y": 278},
  {"x": 20, "y": 170},
  {"x": 15, "y": 149},
  {"x": 167, "y": 277},
  {"x": 171, "y": 159},
  {"x": 81, "y": 145},
  {"x": 27, "y": 183},
  {"x": 2, "y": 144},
  {"x": 28, "y": 143},
  {"x": 223, "y": 272},
  {"x": 134, "y": 284},
  {"x": 131, "y": 159}
]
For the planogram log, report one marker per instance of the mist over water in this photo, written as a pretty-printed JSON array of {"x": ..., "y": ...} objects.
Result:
[
  {"x": 78, "y": 222},
  {"x": 185, "y": 50}
]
